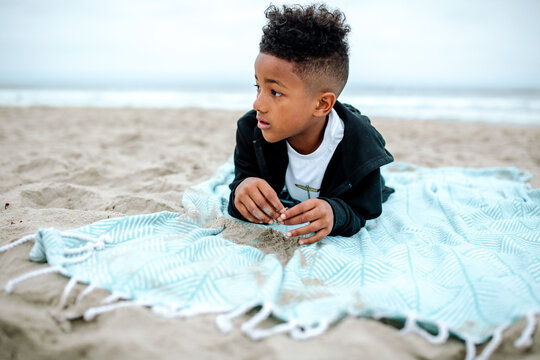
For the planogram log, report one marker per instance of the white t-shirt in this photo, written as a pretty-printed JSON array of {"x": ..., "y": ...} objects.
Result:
[{"x": 305, "y": 172}]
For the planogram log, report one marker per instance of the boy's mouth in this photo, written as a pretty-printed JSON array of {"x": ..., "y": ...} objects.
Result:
[{"x": 261, "y": 124}]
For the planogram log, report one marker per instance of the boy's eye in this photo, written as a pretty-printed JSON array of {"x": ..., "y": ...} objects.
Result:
[{"x": 274, "y": 92}]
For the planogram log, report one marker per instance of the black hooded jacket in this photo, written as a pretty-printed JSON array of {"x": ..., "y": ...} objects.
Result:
[{"x": 352, "y": 183}]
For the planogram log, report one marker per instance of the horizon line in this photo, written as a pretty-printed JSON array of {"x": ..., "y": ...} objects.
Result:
[{"x": 228, "y": 85}]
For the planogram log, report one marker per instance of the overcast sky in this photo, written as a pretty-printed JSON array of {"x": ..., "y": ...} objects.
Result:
[{"x": 413, "y": 43}]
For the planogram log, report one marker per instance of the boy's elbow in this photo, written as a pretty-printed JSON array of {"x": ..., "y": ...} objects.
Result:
[
  {"x": 375, "y": 211},
  {"x": 358, "y": 221}
]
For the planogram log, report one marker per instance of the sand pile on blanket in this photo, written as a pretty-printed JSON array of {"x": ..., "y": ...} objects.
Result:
[{"x": 267, "y": 240}]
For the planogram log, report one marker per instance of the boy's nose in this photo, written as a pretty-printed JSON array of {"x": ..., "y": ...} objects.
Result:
[{"x": 258, "y": 104}]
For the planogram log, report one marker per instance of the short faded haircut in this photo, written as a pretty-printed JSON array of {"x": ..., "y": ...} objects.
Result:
[{"x": 312, "y": 37}]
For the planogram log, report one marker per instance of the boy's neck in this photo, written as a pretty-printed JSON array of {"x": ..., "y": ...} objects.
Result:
[{"x": 311, "y": 140}]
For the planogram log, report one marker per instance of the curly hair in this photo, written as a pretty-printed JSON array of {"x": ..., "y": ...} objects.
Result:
[{"x": 312, "y": 37}]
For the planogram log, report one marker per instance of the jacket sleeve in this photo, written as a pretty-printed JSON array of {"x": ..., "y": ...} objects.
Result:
[
  {"x": 245, "y": 162},
  {"x": 361, "y": 202}
]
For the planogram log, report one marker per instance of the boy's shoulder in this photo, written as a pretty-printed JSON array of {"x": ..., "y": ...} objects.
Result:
[
  {"x": 358, "y": 125},
  {"x": 363, "y": 147},
  {"x": 352, "y": 116}
]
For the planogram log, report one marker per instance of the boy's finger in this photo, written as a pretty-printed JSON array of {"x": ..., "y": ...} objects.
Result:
[
  {"x": 262, "y": 203},
  {"x": 254, "y": 210},
  {"x": 269, "y": 193},
  {"x": 304, "y": 230},
  {"x": 310, "y": 240},
  {"x": 297, "y": 209},
  {"x": 245, "y": 212},
  {"x": 308, "y": 216}
]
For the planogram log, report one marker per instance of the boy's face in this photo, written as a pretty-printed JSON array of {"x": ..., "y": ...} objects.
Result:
[{"x": 285, "y": 107}]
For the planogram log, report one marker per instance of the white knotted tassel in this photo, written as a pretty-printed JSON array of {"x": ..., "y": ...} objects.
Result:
[
  {"x": 256, "y": 319},
  {"x": 412, "y": 326},
  {"x": 85, "y": 292},
  {"x": 91, "y": 313},
  {"x": 409, "y": 323},
  {"x": 308, "y": 332},
  {"x": 17, "y": 243},
  {"x": 493, "y": 344},
  {"x": 525, "y": 340},
  {"x": 92, "y": 244},
  {"x": 257, "y": 334},
  {"x": 441, "y": 337},
  {"x": 98, "y": 244},
  {"x": 67, "y": 290},
  {"x": 76, "y": 260},
  {"x": 224, "y": 322},
  {"x": 115, "y": 296},
  {"x": 471, "y": 349},
  {"x": 11, "y": 283},
  {"x": 166, "y": 311}
]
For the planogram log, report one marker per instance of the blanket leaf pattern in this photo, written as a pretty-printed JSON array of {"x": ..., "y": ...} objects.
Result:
[{"x": 456, "y": 247}]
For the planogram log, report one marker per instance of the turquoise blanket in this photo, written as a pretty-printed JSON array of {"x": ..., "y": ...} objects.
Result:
[{"x": 455, "y": 251}]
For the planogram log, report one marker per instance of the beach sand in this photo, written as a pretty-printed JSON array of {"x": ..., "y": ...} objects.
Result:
[{"x": 67, "y": 167}]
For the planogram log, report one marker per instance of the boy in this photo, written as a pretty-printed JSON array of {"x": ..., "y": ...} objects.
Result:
[{"x": 322, "y": 157}]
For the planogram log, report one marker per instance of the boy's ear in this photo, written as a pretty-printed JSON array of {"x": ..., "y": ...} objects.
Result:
[{"x": 325, "y": 104}]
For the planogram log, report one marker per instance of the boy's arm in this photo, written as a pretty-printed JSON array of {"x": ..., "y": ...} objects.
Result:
[
  {"x": 360, "y": 203},
  {"x": 348, "y": 212}
]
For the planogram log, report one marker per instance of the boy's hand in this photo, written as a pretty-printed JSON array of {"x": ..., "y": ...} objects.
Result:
[
  {"x": 317, "y": 212},
  {"x": 257, "y": 201}
]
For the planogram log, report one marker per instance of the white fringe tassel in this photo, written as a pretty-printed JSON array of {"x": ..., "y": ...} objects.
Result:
[
  {"x": 493, "y": 344},
  {"x": 412, "y": 326},
  {"x": 471, "y": 349},
  {"x": 256, "y": 319},
  {"x": 11, "y": 283},
  {"x": 98, "y": 244},
  {"x": 525, "y": 340},
  {"x": 298, "y": 334},
  {"x": 257, "y": 334},
  {"x": 67, "y": 290},
  {"x": 91, "y": 313},
  {"x": 115, "y": 296},
  {"x": 85, "y": 292},
  {"x": 87, "y": 250},
  {"x": 224, "y": 321},
  {"x": 17, "y": 243},
  {"x": 92, "y": 244},
  {"x": 490, "y": 347},
  {"x": 166, "y": 311},
  {"x": 249, "y": 327},
  {"x": 292, "y": 327}
]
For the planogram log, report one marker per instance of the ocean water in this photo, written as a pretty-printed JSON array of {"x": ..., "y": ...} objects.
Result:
[{"x": 490, "y": 106}]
